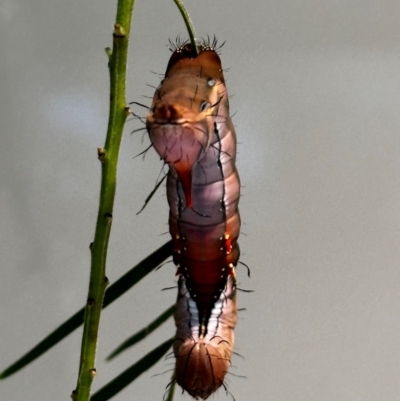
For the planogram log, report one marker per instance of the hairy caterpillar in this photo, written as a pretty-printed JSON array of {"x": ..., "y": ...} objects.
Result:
[{"x": 190, "y": 128}]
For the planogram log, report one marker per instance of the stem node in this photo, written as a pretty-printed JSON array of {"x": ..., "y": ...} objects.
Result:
[
  {"x": 119, "y": 31},
  {"x": 90, "y": 302},
  {"x": 101, "y": 154}
]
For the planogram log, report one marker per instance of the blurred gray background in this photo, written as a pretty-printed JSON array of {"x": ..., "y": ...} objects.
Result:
[{"x": 316, "y": 93}]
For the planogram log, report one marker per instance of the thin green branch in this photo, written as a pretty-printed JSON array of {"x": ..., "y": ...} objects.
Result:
[
  {"x": 109, "y": 159},
  {"x": 189, "y": 25}
]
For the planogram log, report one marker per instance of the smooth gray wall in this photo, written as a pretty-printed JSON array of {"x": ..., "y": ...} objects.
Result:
[{"x": 316, "y": 89}]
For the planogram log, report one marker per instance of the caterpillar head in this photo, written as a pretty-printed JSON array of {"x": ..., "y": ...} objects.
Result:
[{"x": 181, "y": 119}]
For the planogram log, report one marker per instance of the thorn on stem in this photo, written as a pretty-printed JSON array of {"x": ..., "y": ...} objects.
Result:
[
  {"x": 91, "y": 245},
  {"x": 107, "y": 281},
  {"x": 92, "y": 372},
  {"x": 101, "y": 154},
  {"x": 127, "y": 110},
  {"x": 90, "y": 302},
  {"x": 74, "y": 394},
  {"x": 108, "y": 217}
]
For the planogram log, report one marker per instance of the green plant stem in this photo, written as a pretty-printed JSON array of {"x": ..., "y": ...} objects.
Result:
[
  {"x": 189, "y": 25},
  {"x": 109, "y": 159}
]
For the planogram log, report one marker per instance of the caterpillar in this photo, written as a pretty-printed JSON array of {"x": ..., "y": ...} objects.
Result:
[{"x": 190, "y": 128}]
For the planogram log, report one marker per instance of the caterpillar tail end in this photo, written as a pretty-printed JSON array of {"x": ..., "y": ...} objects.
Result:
[{"x": 200, "y": 368}]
